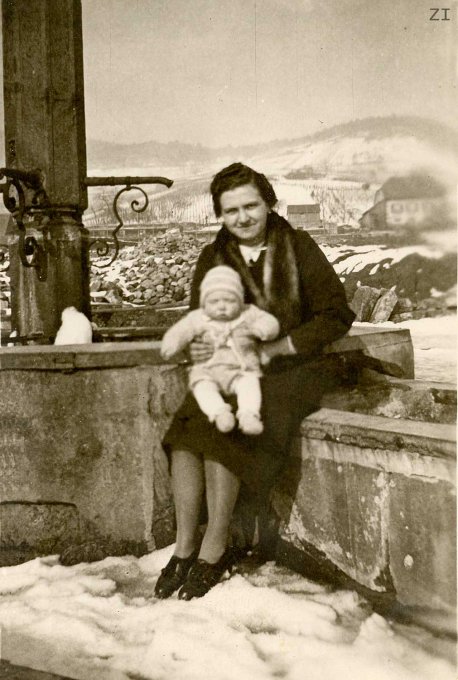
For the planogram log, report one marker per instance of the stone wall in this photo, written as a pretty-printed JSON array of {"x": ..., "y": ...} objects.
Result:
[
  {"x": 81, "y": 457},
  {"x": 83, "y": 473},
  {"x": 382, "y": 509}
]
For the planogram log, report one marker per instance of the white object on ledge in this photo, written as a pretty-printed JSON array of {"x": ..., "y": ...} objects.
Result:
[{"x": 76, "y": 329}]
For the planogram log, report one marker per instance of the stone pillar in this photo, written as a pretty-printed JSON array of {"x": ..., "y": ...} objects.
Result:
[{"x": 45, "y": 130}]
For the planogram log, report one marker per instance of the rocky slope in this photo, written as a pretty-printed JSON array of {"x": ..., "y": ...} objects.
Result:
[{"x": 381, "y": 282}]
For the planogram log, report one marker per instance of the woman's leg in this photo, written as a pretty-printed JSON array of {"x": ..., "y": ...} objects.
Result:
[
  {"x": 187, "y": 487},
  {"x": 222, "y": 488}
]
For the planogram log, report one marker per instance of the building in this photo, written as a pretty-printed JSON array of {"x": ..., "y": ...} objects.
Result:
[
  {"x": 305, "y": 216},
  {"x": 304, "y": 173},
  {"x": 411, "y": 201}
]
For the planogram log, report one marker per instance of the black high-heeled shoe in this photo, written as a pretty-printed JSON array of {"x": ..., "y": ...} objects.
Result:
[
  {"x": 173, "y": 575},
  {"x": 203, "y": 576}
]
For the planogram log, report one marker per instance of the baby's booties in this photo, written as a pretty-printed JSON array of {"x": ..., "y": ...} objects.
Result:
[
  {"x": 224, "y": 420},
  {"x": 250, "y": 423}
]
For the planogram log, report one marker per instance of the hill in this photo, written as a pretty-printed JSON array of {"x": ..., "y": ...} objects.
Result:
[
  {"x": 369, "y": 150},
  {"x": 366, "y": 150}
]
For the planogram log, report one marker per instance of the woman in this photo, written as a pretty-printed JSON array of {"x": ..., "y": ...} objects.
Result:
[{"x": 284, "y": 272}]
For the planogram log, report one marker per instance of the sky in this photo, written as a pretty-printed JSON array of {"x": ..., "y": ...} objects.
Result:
[{"x": 219, "y": 72}]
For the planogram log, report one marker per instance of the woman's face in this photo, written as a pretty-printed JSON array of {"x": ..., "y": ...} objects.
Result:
[{"x": 244, "y": 213}]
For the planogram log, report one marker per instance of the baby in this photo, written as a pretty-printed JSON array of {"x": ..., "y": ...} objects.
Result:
[{"x": 233, "y": 328}]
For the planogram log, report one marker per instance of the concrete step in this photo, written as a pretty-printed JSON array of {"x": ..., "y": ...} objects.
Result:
[
  {"x": 393, "y": 398},
  {"x": 375, "y": 498}
]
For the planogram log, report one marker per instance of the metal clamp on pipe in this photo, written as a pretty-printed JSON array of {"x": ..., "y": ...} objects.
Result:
[{"x": 30, "y": 200}]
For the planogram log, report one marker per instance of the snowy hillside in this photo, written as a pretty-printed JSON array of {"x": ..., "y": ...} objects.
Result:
[
  {"x": 362, "y": 158},
  {"x": 340, "y": 168},
  {"x": 370, "y": 149}
]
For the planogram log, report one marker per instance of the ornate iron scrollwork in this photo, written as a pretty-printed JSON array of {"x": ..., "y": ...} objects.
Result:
[
  {"x": 30, "y": 200},
  {"x": 103, "y": 245}
]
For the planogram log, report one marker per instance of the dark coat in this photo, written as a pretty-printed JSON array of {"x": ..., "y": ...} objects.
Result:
[
  {"x": 292, "y": 385},
  {"x": 324, "y": 310}
]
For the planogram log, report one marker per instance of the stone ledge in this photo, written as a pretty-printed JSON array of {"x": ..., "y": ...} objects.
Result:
[
  {"x": 74, "y": 357},
  {"x": 388, "y": 350},
  {"x": 382, "y": 395},
  {"x": 379, "y": 432}
]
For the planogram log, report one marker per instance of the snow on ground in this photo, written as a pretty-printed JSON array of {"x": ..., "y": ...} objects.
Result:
[
  {"x": 347, "y": 259},
  {"x": 435, "y": 346},
  {"x": 100, "y": 619}
]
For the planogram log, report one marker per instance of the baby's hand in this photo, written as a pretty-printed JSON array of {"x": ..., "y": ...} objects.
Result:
[
  {"x": 167, "y": 352},
  {"x": 169, "y": 346},
  {"x": 200, "y": 350}
]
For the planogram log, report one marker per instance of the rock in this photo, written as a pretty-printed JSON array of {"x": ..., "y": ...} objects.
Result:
[
  {"x": 384, "y": 307},
  {"x": 147, "y": 284},
  {"x": 404, "y": 304},
  {"x": 178, "y": 293},
  {"x": 364, "y": 301},
  {"x": 113, "y": 297},
  {"x": 401, "y": 316},
  {"x": 95, "y": 286},
  {"x": 432, "y": 304}
]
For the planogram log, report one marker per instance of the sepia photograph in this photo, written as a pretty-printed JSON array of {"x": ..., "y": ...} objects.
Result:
[{"x": 228, "y": 339}]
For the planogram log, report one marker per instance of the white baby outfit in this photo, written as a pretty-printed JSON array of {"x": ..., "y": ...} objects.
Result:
[{"x": 234, "y": 367}]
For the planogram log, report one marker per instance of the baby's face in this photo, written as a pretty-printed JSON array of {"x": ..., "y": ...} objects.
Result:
[{"x": 222, "y": 306}]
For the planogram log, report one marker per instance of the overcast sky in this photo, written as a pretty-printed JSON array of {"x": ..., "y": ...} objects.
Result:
[{"x": 240, "y": 71}]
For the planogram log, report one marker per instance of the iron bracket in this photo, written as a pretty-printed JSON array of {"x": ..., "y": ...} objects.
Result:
[
  {"x": 131, "y": 183},
  {"x": 30, "y": 200}
]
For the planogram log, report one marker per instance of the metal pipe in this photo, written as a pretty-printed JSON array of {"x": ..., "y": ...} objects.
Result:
[{"x": 127, "y": 181}]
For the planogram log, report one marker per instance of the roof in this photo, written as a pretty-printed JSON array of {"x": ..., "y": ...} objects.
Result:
[
  {"x": 412, "y": 186},
  {"x": 303, "y": 208}
]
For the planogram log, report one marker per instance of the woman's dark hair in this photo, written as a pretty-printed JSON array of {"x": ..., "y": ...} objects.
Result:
[{"x": 236, "y": 175}]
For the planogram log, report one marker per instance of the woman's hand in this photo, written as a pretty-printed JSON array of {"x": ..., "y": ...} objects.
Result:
[
  {"x": 200, "y": 351},
  {"x": 269, "y": 350}
]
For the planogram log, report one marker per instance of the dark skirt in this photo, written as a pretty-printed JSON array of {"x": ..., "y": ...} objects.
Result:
[{"x": 292, "y": 388}]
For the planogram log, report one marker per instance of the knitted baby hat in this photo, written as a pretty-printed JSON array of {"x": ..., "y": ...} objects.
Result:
[{"x": 221, "y": 278}]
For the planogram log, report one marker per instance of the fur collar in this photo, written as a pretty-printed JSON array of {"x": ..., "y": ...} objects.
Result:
[{"x": 281, "y": 294}]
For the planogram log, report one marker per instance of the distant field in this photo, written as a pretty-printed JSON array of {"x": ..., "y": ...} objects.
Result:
[{"x": 189, "y": 200}]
